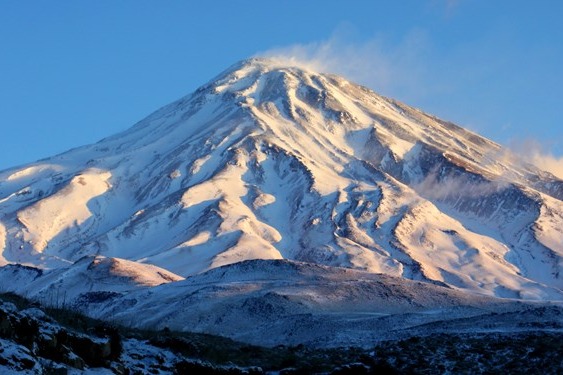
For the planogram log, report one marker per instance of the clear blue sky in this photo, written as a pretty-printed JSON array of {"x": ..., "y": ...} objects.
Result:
[{"x": 73, "y": 72}]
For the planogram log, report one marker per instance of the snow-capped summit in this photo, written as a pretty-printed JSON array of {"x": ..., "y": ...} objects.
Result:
[{"x": 274, "y": 161}]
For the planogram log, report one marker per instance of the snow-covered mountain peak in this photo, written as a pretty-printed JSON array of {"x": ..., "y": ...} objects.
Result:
[
  {"x": 260, "y": 65},
  {"x": 271, "y": 160}
]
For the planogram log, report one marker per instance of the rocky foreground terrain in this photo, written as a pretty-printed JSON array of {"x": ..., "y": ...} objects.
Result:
[{"x": 35, "y": 340}]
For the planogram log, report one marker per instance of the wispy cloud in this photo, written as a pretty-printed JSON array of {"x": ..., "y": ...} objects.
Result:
[
  {"x": 388, "y": 68},
  {"x": 538, "y": 154},
  {"x": 447, "y": 8},
  {"x": 549, "y": 163},
  {"x": 411, "y": 68},
  {"x": 454, "y": 186},
  {"x": 450, "y": 5}
]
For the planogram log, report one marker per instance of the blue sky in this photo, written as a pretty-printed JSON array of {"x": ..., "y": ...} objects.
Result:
[{"x": 73, "y": 72}]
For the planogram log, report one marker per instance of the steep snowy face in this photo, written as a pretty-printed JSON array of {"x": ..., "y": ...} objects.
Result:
[{"x": 270, "y": 161}]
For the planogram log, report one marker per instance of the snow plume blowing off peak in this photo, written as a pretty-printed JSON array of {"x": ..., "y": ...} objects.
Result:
[
  {"x": 274, "y": 160},
  {"x": 398, "y": 68},
  {"x": 532, "y": 151}
]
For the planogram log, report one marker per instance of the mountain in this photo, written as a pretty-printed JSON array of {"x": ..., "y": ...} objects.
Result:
[{"x": 276, "y": 162}]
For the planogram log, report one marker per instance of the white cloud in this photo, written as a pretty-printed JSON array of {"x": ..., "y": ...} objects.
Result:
[
  {"x": 538, "y": 154},
  {"x": 396, "y": 70},
  {"x": 549, "y": 163},
  {"x": 453, "y": 186}
]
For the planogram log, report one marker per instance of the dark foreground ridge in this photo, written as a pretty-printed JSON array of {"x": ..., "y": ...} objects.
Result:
[{"x": 39, "y": 340}]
